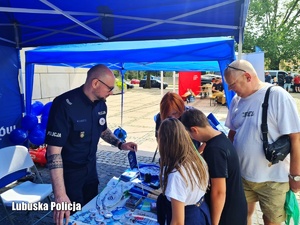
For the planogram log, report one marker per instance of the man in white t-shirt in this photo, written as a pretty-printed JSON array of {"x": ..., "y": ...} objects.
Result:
[{"x": 263, "y": 183}]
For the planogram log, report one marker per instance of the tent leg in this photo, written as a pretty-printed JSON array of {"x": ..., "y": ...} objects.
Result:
[{"x": 155, "y": 154}]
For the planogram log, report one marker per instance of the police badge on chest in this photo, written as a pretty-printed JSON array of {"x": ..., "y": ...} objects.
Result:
[{"x": 81, "y": 134}]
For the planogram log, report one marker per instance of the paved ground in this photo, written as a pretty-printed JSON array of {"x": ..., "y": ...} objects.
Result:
[{"x": 140, "y": 106}]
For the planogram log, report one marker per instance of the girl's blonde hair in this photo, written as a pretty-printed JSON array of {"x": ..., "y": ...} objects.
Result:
[{"x": 176, "y": 151}]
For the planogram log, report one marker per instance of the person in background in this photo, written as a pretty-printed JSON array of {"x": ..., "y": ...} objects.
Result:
[
  {"x": 297, "y": 83},
  {"x": 172, "y": 106},
  {"x": 288, "y": 82},
  {"x": 268, "y": 77},
  {"x": 213, "y": 80},
  {"x": 275, "y": 81},
  {"x": 77, "y": 120},
  {"x": 280, "y": 80},
  {"x": 218, "y": 91},
  {"x": 183, "y": 178},
  {"x": 263, "y": 183},
  {"x": 189, "y": 95},
  {"x": 225, "y": 197}
]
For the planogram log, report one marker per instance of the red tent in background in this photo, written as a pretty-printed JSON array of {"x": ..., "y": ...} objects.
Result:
[{"x": 189, "y": 80}]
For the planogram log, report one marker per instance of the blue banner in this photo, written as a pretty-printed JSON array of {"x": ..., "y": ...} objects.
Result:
[{"x": 10, "y": 97}]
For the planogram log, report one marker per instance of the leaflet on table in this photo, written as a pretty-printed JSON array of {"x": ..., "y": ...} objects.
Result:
[
  {"x": 112, "y": 194},
  {"x": 110, "y": 207},
  {"x": 118, "y": 217},
  {"x": 129, "y": 174}
]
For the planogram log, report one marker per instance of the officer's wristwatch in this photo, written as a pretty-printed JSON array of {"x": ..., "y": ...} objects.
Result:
[{"x": 295, "y": 178}]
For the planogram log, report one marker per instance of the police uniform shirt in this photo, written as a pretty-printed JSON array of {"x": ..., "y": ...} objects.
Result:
[{"x": 75, "y": 123}]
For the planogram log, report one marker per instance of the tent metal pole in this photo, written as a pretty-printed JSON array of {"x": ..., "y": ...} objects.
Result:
[
  {"x": 20, "y": 75},
  {"x": 239, "y": 51},
  {"x": 162, "y": 83},
  {"x": 122, "y": 96},
  {"x": 74, "y": 19},
  {"x": 174, "y": 81},
  {"x": 240, "y": 44}
]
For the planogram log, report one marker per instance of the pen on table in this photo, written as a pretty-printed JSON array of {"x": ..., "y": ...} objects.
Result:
[{"x": 143, "y": 217}]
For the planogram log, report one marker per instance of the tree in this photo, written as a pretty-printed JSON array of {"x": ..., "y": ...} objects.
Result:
[
  {"x": 148, "y": 73},
  {"x": 274, "y": 26}
]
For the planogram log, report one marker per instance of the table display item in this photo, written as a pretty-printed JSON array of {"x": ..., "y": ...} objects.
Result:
[
  {"x": 116, "y": 205},
  {"x": 112, "y": 194},
  {"x": 149, "y": 169},
  {"x": 129, "y": 174},
  {"x": 132, "y": 159},
  {"x": 133, "y": 201}
]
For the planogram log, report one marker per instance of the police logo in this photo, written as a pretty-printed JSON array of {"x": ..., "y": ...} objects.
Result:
[
  {"x": 101, "y": 113},
  {"x": 101, "y": 121},
  {"x": 82, "y": 134}
]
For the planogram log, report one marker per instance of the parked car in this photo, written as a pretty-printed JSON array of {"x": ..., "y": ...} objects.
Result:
[
  {"x": 207, "y": 78},
  {"x": 135, "y": 81},
  {"x": 279, "y": 74},
  {"x": 129, "y": 85},
  {"x": 155, "y": 83},
  {"x": 151, "y": 77}
]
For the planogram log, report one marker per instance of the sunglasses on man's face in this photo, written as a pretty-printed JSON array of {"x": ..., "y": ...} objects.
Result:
[{"x": 235, "y": 68}]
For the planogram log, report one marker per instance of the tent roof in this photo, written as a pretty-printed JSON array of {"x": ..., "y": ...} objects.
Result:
[
  {"x": 173, "y": 55},
  {"x": 34, "y": 23},
  {"x": 193, "y": 54}
]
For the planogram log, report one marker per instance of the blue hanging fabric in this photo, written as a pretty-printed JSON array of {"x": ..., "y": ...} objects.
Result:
[
  {"x": 213, "y": 119},
  {"x": 214, "y": 122}
]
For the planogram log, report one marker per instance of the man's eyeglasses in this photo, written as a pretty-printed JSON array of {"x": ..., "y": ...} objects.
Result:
[
  {"x": 232, "y": 67},
  {"x": 109, "y": 88},
  {"x": 232, "y": 85}
]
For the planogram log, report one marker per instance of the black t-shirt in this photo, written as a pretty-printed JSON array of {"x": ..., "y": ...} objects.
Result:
[
  {"x": 223, "y": 162},
  {"x": 288, "y": 79},
  {"x": 218, "y": 87},
  {"x": 75, "y": 123},
  {"x": 268, "y": 78}
]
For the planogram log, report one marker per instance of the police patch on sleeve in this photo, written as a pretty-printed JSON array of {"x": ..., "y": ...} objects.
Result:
[{"x": 102, "y": 121}]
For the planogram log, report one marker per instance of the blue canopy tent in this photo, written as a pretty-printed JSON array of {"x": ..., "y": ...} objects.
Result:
[
  {"x": 33, "y": 23},
  {"x": 181, "y": 55}
]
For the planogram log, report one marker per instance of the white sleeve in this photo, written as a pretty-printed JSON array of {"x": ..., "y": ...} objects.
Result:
[
  {"x": 176, "y": 188},
  {"x": 283, "y": 113}
]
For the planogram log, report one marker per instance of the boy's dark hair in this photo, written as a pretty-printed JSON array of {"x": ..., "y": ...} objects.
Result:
[{"x": 194, "y": 118}]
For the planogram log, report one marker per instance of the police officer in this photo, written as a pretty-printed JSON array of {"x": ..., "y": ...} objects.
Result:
[{"x": 77, "y": 120}]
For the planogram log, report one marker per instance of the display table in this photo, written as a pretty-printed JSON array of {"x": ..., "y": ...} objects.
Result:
[
  {"x": 205, "y": 90},
  {"x": 120, "y": 202}
]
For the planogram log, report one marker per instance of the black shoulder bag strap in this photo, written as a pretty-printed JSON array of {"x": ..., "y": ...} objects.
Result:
[{"x": 264, "y": 125}]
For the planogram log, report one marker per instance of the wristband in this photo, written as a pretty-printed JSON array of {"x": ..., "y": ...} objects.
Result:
[{"x": 120, "y": 145}]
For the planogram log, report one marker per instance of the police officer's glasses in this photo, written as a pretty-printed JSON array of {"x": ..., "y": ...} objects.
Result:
[{"x": 109, "y": 88}]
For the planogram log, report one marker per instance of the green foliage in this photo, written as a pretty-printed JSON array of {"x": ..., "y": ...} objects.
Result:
[
  {"x": 131, "y": 74},
  {"x": 274, "y": 26},
  {"x": 116, "y": 73},
  {"x": 118, "y": 83},
  {"x": 148, "y": 81}
]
